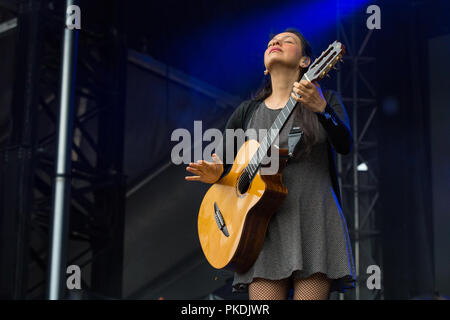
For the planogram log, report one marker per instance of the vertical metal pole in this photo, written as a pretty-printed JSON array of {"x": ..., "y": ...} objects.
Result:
[
  {"x": 62, "y": 183},
  {"x": 355, "y": 156},
  {"x": 339, "y": 91}
]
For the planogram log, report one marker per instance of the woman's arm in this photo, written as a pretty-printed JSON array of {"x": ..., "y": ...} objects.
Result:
[
  {"x": 211, "y": 172},
  {"x": 234, "y": 122},
  {"x": 335, "y": 121},
  {"x": 330, "y": 112}
]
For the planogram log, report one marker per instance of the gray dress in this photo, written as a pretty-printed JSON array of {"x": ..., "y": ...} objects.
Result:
[{"x": 308, "y": 233}]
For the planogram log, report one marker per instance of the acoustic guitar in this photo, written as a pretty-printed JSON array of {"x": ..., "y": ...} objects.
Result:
[{"x": 236, "y": 210}]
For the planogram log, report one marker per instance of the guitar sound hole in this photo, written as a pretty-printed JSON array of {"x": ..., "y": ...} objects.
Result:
[{"x": 243, "y": 183}]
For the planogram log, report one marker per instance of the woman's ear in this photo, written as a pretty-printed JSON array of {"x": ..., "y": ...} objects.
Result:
[{"x": 305, "y": 61}]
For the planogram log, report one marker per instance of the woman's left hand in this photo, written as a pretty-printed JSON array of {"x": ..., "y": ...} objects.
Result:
[{"x": 310, "y": 95}]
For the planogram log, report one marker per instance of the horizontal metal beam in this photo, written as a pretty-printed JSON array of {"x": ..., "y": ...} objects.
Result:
[
  {"x": 222, "y": 98},
  {"x": 360, "y": 101},
  {"x": 8, "y": 25}
]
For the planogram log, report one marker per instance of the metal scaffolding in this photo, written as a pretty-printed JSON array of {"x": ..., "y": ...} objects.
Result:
[
  {"x": 97, "y": 202},
  {"x": 358, "y": 171},
  {"x": 18, "y": 152}
]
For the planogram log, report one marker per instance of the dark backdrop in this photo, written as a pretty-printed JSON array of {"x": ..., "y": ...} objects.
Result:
[{"x": 404, "y": 135}]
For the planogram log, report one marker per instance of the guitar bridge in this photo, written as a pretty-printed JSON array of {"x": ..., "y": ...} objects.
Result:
[{"x": 219, "y": 220}]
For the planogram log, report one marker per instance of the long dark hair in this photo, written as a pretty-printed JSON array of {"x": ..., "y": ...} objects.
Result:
[{"x": 309, "y": 122}]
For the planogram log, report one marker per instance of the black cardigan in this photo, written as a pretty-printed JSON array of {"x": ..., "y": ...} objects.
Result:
[{"x": 334, "y": 120}]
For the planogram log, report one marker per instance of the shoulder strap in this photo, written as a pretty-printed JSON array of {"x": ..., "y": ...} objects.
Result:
[
  {"x": 294, "y": 137},
  {"x": 296, "y": 133}
]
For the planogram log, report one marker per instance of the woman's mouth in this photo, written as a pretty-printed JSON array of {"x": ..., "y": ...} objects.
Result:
[{"x": 274, "y": 49}]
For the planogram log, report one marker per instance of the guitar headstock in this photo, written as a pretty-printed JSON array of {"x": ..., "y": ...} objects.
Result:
[{"x": 328, "y": 58}]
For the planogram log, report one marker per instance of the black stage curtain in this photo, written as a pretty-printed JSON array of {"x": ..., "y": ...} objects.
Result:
[
  {"x": 7, "y": 52},
  {"x": 404, "y": 150}
]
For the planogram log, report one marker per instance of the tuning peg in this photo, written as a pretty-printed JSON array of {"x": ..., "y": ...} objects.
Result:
[
  {"x": 341, "y": 60},
  {"x": 328, "y": 76}
]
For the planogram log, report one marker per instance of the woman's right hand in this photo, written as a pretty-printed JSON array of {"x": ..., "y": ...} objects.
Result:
[{"x": 205, "y": 171}]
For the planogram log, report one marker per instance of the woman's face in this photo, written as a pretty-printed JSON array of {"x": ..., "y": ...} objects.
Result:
[{"x": 285, "y": 48}]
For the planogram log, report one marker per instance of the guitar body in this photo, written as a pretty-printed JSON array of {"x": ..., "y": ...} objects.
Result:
[{"x": 246, "y": 215}]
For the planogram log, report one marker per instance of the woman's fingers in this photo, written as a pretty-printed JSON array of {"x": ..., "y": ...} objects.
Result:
[
  {"x": 193, "y": 170},
  {"x": 204, "y": 171},
  {"x": 198, "y": 174},
  {"x": 203, "y": 165},
  {"x": 192, "y": 178},
  {"x": 299, "y": 91},
  {"x": 307, "y": 84},
  {"x": 197, "y": 165},
  {"x": 300, "y": 99},
  {"x": 200, "y": 167},
  {"x": 194, "y": 165},
  {"x": 216, "y": 158},
  {"x": 302, "y": 89}
]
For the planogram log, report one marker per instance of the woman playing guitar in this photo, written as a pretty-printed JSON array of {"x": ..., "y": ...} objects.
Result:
[{"x": 306, "y": 247}]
